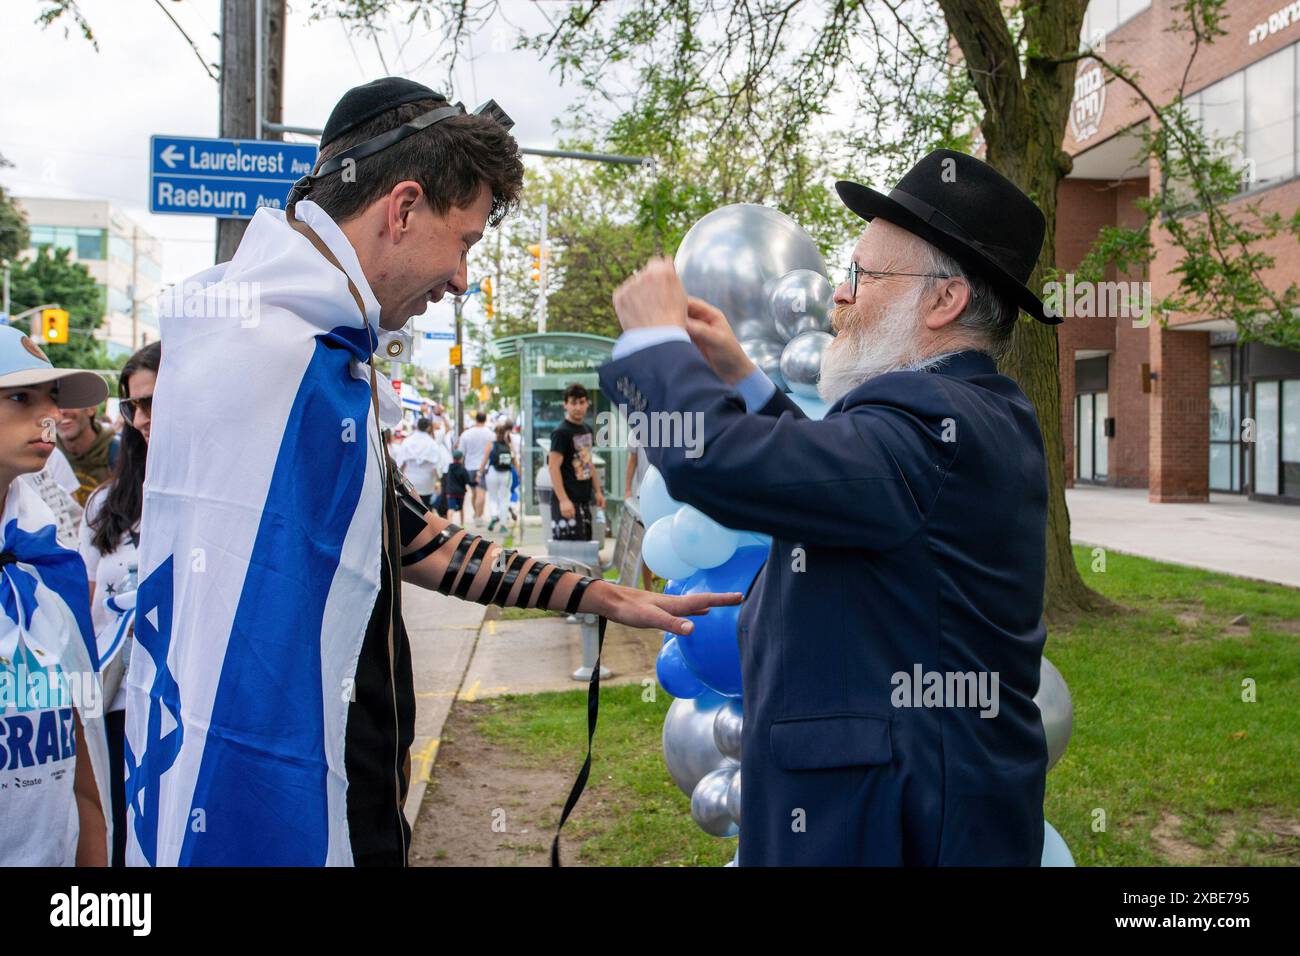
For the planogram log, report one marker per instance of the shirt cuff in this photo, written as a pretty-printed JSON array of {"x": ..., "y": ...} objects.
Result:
[
  {"x": 634, "y": 340},
  {"x": 756, "y": 389}
]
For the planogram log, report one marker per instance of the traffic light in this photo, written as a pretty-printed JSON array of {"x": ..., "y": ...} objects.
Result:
[
  {"x": 535, "y": 250},
  {"x": 54, "y": 326},
  {"x": 486, "y": 286}
]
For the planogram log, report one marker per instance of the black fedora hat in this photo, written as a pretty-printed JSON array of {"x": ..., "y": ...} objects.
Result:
[{"x": 970, "y": 211}]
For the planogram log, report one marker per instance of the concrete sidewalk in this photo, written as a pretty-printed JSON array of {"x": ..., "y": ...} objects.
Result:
[
  {"x": 462, "y": 650},
  {"x": 1231, "y": 534}
]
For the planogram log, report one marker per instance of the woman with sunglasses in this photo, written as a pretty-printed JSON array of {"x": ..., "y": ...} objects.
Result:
[{"x": 110, "y": 536}]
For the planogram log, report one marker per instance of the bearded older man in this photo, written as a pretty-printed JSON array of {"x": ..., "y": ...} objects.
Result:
[{"x": 890, "y": 646}]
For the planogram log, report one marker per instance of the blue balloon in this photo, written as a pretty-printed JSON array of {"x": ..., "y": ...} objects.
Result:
[
  {"x": 812, "y": 407},
  {"x": 675, "y": 675},
  {"x": 1055, "y": 852},
  {"x": 711, "y": 649},
  {"x": 750, "y": 538},
  {"x": 699, "y": 539},
  {"x": 674, "y": 586}
]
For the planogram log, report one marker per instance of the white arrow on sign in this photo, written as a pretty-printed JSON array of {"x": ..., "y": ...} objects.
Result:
[{"x": 171, "y": 154}]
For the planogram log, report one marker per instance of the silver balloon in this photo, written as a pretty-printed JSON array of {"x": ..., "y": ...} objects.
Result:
[
  {"x": 689, "y": 750},
  {"x": 732, "y": 255},
  {"x": 709, "y": 803},
  {"x": 726, "y": 728},
  {"x": 801, "y": 361},
  {"x": 801, "y": 301},
  {"x": 766, "y": 354},
  {"x": 733, "y": 797},
  {"x": 757, "y": 329},
  {"x": 1057, "y": 709}
]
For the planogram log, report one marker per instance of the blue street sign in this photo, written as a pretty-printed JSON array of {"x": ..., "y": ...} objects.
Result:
[
  {"x": 228, "y": 178},
  {"x": 440, "y": 336}
]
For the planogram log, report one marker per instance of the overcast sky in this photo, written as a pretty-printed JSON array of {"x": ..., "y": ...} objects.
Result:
[{"x": 76, "y": 123}]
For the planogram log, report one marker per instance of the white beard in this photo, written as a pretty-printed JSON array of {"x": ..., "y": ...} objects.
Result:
[{"x": 891, "y": 344}]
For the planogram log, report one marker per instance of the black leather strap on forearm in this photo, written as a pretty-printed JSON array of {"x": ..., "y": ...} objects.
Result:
[
  {"x": 548, "y": 587},
  {"x": 575, "y": 598},
  {"x": 530, "y": 581},
  {"x": 481, "y": 547},
  {"x": 441, "y": 538},
  {"x": 503, "y": 580},
  {"x": 449, "y": 576}
]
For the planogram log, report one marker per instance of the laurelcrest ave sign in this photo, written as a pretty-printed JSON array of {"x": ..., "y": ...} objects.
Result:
[
  {"x": 1088, "y": 104},
  {"x": 228, "y": 178}
]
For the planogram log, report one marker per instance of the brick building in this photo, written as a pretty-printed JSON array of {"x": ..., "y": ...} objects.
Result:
[{"x": 1162, "y": 407}]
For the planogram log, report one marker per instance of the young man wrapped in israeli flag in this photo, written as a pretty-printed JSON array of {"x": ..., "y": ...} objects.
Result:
[
  {"x": 53, "y": 749},
  {"x": 270, "y": 704}
]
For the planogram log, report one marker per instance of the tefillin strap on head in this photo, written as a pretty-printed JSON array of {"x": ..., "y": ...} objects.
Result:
[{"x": 377, "y": 144}]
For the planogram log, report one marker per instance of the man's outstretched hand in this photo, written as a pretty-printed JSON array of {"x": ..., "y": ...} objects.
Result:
[{"x": 664, "y": 612}]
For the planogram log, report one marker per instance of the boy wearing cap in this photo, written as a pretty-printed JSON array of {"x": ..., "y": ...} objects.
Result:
[{"x": 52, "y": 741}]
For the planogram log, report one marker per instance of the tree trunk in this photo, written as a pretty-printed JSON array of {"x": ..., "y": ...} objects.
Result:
[{"x": 1023, "y": 128}]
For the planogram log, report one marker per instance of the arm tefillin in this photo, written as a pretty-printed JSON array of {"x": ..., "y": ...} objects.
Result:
[{"x": 508, "y": 566}]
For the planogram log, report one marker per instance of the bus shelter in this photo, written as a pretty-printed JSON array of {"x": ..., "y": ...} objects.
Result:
[{"x": 548, "y": 363}]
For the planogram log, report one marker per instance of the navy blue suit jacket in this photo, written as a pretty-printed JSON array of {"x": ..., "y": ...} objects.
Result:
[{"x": 908, "y": 536}]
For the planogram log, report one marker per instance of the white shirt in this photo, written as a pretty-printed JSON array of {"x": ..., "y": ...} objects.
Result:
[
  {"x": 474, "y": 443},
  {"x": 56, "y": 483},
  {"x": 111, "y": 575},
  {"x": 423, "y": 459}
]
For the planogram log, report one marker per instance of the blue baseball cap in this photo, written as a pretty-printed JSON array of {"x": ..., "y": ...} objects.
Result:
[{"x": 23, "y": 363}]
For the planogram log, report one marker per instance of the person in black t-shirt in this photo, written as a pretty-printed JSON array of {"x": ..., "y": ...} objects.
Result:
[{"x": 573, "y": 473}]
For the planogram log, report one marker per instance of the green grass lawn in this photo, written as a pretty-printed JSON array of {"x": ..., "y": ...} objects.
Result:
[{"x": 1163, "y": 744}]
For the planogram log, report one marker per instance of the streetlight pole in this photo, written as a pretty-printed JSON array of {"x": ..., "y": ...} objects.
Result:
[{"x": 459, "y": 369}]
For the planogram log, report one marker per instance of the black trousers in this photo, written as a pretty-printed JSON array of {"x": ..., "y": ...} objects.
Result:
[{"x": 577, "y": 528}]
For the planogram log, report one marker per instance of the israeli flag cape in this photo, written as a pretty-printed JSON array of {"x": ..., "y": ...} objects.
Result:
[
  {"x": 260, "y": 549},
  {"x": 45, "y": 627}
]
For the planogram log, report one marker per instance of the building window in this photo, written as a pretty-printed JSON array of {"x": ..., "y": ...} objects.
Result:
[
  {"x": 1252, "y": 114},
  {"x": 1270, "y": 118},
  {"x": 1104, "y": 16},
  {"x": 1277, "y": 438},
  {"x": 1226, "y": 409},
  {"x": 85, "y": 244}
]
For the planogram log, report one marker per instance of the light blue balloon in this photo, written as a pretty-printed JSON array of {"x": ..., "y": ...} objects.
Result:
[
  {"x": 699, "y": 539},
  {"x": 658, "y": 553},
  {"x": 812, "y": 406},
  {"x": 655, "y": 502},
  {"x": 1055, "y": 852}
]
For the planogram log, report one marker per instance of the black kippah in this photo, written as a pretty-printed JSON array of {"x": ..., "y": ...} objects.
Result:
[{"x": 363, "y": 103}]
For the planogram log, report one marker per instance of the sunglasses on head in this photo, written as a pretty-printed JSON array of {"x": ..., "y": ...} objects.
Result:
[{"x": 129, "y": 406}]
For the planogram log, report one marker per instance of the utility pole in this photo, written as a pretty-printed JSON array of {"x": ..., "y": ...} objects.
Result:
[
  {"x": 252, "y": 39},
  {"x": 458, "y": 370},
  {"x": 541, "y": 311}
]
